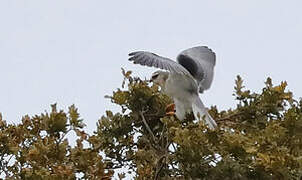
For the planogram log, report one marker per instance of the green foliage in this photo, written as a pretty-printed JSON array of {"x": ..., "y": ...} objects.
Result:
[
  {"x": 259, "y": 139},
  {"x": 38, "y": 149}
]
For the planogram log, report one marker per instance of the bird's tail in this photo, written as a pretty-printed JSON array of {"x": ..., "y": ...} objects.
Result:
[{"x": 200, "y": 112}]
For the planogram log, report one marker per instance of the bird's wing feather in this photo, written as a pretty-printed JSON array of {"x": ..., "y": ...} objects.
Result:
[
  {"x": 152, "y": 60},
  {"x": 200, "y": 62}
]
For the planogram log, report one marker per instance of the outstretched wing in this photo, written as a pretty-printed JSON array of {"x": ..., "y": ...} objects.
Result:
[
  {"x": 152, "y": 60},
  {"x": 200, "y": 62}
]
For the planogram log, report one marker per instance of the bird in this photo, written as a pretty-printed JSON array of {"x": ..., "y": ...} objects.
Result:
[{"x": 192, "y": 73}]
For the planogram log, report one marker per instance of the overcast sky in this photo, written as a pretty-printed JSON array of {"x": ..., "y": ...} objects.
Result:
[{"x": 72, "y": 51}]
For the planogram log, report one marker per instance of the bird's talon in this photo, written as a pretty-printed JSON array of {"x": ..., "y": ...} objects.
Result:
[
  {"x": 170, "y": 113},
  {"x": 170, "y": 108}
]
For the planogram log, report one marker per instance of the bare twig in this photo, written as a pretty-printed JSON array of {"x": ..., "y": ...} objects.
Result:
[
  {"x": 173, "y": 146},
  {"x": 160, "y": 166},
  {"x": 162, "y": 133},
  {"x": 229, "y": 117},
  {"x": 147, "y": 126},
  {"x": 155, "y": 115}
]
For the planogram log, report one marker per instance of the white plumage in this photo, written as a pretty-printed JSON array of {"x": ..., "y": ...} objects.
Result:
[{"x": 190, "y": 75}]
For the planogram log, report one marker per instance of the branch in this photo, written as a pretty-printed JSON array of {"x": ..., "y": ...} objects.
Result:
[
  {"x": 173, "y": 146},
  {"x": 147, "y": 126},
  {"x": 229, "y": 117},
  {"x": 160, "y": 166},
  {"x": 162, "y": 133}
]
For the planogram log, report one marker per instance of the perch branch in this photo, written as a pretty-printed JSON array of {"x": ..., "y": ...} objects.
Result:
[{"x": 147, "y": 126}]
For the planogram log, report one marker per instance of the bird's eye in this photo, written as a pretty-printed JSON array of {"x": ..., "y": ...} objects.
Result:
[{"x": 154, "y": 76}]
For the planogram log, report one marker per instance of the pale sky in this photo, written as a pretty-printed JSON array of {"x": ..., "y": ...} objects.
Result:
[{"x": 72, "y": 51}]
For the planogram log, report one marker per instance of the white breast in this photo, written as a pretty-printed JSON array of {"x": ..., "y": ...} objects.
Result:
[{"x": 182, "y": 89}]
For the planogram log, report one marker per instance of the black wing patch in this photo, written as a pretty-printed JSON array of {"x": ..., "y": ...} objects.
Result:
[{"x": 189, "y": 64}]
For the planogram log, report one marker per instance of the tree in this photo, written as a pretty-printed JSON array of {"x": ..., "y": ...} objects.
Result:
[
  {"x": 260, "y": 139},
  {"x": 37, "y": 148}
]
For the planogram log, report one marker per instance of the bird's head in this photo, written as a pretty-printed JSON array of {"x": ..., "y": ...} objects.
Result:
[{"x": 159, "y": 77}]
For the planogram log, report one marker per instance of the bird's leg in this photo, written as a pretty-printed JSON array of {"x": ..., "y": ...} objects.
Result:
[{"x": 170, "y": 109}]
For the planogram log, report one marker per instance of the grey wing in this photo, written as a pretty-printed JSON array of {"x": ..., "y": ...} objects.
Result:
[
  {"x": 200, "y": 62},
  {"x": 152, "y": 60}
]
